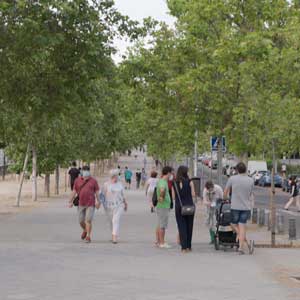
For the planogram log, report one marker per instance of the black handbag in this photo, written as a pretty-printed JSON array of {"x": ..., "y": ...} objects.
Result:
[
  {"x": 76, "y": 199},
  {"x": 154, "y": 198},
  {"x": 186, "y": 210}
]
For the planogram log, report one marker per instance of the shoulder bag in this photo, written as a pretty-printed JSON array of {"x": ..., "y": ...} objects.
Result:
[
  {"x": 186, "y": 210},
  {"x": 76, "y": 199}
]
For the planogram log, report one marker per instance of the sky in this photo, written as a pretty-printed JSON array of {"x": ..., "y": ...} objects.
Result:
[{"x": 138, "y": 10}]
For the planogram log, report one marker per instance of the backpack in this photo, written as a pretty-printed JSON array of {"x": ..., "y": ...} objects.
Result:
[{"x": 154, "y": 197}]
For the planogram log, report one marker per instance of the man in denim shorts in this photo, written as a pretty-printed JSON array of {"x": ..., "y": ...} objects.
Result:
[{"x": 241, "y": 187}]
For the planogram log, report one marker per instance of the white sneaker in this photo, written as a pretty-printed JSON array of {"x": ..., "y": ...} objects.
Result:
[{"x": 165, "y": 246}]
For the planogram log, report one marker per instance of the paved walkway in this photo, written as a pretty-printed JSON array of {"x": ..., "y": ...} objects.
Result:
[{"x": 43, "y": 258}]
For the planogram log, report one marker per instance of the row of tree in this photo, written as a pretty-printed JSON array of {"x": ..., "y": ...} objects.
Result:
[
  {"x": 227, "y": 68},
  {"x": 60, "y": 93}
]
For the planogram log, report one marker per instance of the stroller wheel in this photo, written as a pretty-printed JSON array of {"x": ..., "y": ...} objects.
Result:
[{"x": 217, "y": 244}]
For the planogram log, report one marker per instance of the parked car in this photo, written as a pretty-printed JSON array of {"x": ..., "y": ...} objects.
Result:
[
  {"x": 257, "y": 175},
  {"x": 265, "y": 180}
]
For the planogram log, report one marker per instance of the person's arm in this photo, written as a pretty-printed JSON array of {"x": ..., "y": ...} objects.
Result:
[
  {"x": 193, "y": 189},
  {"x": 227, "y": 189},
  {"x": 147, "y": 187},
  {"x": 72, "y": 196},
  {"x": 124, "y": 200},
  {"x": 173, "y": 193}
]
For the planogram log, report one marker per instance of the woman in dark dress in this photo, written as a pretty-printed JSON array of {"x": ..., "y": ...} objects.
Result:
[{"x": 185, "y": 188}]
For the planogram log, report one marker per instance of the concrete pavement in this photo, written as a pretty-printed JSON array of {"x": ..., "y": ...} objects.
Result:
[{"x": 42, "y": 257}]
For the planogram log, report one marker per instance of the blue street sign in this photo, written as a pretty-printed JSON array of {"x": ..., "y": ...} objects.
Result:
[{"x": 214, "y": 141}]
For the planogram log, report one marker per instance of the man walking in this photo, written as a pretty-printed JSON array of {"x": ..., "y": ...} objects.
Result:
[
  {"x": 163, "y": 207},
  {"x": 73, "y": 174},
  {"x": 128, "y": 176},
  {"x": 87, "y": 188},
  {"x": 241, "y": 187},
  {"x": 138, "y": 177}
]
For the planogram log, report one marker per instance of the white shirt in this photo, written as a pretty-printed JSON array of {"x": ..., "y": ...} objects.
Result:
[
  {"x": 152, "y": 182},
  {"x": 114, "y": 194},
  {"x": 210, "y": 196}
]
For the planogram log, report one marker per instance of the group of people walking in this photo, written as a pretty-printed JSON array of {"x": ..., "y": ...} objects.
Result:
[
  {"x": 87, "y": 195},
  {"x": 162, "y": 193}
]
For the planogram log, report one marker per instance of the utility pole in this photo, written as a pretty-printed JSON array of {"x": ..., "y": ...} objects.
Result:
[
  {"x": 220, "y": 156},
  {"x": 196, "y": 154},
  {"x": 272, "y": 204}
]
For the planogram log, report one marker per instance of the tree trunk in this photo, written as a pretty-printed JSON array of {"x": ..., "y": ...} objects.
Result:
[
  {"x": 4, "y": 166},
  {"x": 244, "y": 158},
  {"x": 47, "y": 185},
  {"x": 219, "y": 158},
  {"x": 66, "y": 179},
  {"x": 57, "y": 180},
  {"x": 22, "y": 176},
  {"x": 34, "y": 174},
  {"x": 95, "y": 168}
]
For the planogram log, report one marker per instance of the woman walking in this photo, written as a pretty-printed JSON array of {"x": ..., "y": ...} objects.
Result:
[
  {"x": 115, "y": 203},
  {"x": 294, "y": 195},
  {"x": 183, "y": 192}
]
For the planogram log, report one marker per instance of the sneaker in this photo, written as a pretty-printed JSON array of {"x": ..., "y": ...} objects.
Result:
[
  {"x": 165, "y": 246},
  {"x": 251, "y": 247},
  {"x": 83, "y": 235},
  {"x": 87, "y": 239},
  {"x": 241, "y": 252}
]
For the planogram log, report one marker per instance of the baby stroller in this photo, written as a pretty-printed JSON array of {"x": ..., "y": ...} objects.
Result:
[{"x": 224, "y": 236}]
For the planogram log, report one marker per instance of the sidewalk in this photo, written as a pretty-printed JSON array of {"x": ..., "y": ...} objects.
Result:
[{"x": 43, "y": 258}]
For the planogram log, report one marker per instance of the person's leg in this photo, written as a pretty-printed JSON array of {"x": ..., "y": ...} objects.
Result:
[
  {"x": 181, "y": 230},
  {"x": 235, "y": 216},
  {"x": 164, "y": 217},
  {"x": 242, "y": 235},
  {"x": 161, "y": 234},
  {"x": 81, "y": 219},
  {"x": 211, "y": 223},
  {"x": 190, "y": 227},
  {"x": 289, "y": 203},
  {"x": 90, "y": 211},
  {"x": 157, "y": 240},
  {"x": 244, "y": 216},
  {"x": 88, "y": 226},
  {"x": 116, "y": 222}
]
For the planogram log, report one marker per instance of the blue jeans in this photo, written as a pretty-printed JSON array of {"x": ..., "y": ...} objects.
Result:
[{"x": 240, "y": 216}]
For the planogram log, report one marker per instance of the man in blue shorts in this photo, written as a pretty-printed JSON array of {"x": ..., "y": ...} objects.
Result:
[{"x": 241, "y": 187}]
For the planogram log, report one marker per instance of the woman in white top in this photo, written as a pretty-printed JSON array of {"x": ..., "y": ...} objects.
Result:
[
  {"x": 211, "y": 193},
  {"x": 150, "y": 186},
  {"x": 114, "y": 202}
]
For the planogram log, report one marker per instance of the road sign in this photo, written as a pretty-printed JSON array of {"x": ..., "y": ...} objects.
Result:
[{"x": 214, "y": 141}]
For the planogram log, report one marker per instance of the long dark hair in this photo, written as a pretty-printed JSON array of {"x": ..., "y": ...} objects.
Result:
[{"x": 182, "y": 173}]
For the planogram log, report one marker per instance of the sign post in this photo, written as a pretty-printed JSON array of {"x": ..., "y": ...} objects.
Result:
[{"x": 218, "y": 144}]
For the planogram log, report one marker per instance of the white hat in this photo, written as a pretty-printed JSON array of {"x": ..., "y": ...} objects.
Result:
[{"x": 114, "y": 172}]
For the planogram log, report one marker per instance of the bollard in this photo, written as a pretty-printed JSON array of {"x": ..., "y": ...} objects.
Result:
[
  {"x": 292, "y": 229},
  {"x": 254, "y": 215},
  {"x": 261, "y": 217},
  {"x": 280, "y": 224},
  {"x": 268, "y": 220}
]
